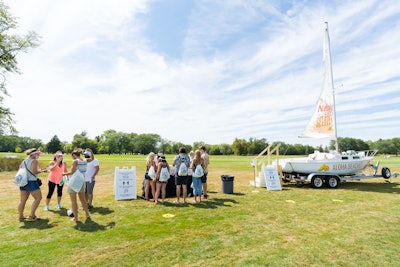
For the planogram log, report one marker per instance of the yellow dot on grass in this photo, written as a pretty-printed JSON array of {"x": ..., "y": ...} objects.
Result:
[
  {"x": 290, "y": 201},
  {"x": 255, "y": 191},
  {"x": 228, "y": 203},
  {"x": 168, "y": 215},
  {"x": 337, "y": 200}
]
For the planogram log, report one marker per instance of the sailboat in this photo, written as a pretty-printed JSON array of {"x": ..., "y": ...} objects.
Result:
[{"x": 320, "y": 167}]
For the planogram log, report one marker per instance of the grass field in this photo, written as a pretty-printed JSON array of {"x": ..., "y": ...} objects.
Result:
[{"x": 357, "y": 224}]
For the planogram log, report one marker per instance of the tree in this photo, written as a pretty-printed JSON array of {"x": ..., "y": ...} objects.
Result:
[
  {"x": 130, "y": 146},
  {"x": 10, "y": 45},
  {"x": 385, "y": 146},
  {"x": 80, "y": 140},
  {"x": 226, "y": 149},
  {"x": 255, "y": 146},
  {"x": 239, "y": 146},
  {"x": 54, "y": 145},
  {"x": 145, "y": 143},
  {"x": 347, "y": 143}
]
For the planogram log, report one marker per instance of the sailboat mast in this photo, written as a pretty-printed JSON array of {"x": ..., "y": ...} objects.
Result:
[{"x": 328, "y": 51}]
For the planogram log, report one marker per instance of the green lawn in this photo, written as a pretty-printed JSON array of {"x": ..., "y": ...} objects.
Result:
[{"x": 354, "y": 225}]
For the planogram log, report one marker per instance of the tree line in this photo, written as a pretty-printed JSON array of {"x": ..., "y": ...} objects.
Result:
[{"x": 115, "y": 142}]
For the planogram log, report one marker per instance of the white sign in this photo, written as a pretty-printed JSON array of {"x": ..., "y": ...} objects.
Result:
[
  {"x": 271, "y": 178},
  {"x": 125, "y": 183}
]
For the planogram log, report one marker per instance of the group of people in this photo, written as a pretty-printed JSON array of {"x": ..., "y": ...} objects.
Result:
[
  {"x": 84, "y": 172},
  {"x": 195, "y": 165}
]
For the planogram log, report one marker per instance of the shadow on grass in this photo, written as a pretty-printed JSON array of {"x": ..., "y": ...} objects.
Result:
[
  {"x": 92, "y": 226},
  {"x": 214, "y": 203},
  {"x": 379, "y": 187},
  {"x": 42, "y": 224},
  {"x": 383, "y": 187},
  {"x": 100, "y": 210}
]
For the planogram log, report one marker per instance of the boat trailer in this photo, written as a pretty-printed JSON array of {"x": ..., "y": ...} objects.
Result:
[{"x": 332, "y": 180}]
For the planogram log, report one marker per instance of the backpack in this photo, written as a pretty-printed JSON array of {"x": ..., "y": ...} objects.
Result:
[
  {"x": 183, "y": 170},
  {"x": 198, "y": 172},
  {"x": 164, "y": 174}
]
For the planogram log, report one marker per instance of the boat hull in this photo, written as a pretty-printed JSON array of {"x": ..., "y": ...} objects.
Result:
[{"x": 340, "y": 165}]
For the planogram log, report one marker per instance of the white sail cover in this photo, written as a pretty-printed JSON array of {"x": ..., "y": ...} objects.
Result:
[{"x": 322, "y": 123}]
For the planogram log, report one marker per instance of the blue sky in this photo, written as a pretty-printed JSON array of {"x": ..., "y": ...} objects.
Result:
[{"x": 205, "y": 70}]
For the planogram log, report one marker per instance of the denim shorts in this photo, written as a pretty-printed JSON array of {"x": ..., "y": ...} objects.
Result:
[{"x": 30, "y": 187}]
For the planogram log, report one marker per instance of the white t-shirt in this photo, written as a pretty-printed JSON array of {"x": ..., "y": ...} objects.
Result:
[{"x": 91, "y": 169}]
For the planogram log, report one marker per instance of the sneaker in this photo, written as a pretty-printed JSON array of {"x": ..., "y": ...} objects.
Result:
[
  {"x": 46, "y": 208},
  {"x": 59, "y": 206}
]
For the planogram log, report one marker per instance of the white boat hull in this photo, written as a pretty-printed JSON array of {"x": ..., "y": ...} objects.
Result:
[{"x": 340, "y": 164}]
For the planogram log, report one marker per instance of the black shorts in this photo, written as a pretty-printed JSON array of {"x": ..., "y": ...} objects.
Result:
[
  {"x": 147, "y": 176},
  {"x": 204, "y": 178},
  {"x": 181, "y": 180}
]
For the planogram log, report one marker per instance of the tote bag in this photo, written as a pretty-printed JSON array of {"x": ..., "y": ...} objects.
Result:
[
  {"x": 76, "y": 181},
  {"x": 21, "y": 178}
]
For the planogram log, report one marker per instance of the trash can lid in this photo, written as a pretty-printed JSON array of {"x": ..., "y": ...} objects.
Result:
[{"x": 227, "y": 177}]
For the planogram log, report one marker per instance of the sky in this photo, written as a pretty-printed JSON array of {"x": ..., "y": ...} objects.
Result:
[{"x": 206, "y": 70}]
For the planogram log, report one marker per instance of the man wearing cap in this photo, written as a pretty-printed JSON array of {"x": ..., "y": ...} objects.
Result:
[{"x": 90, "y": 176}]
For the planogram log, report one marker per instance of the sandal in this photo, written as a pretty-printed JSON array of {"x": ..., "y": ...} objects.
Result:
[
  {"x": 34, "y": 218},
  {"x": 22, "y": 219}
]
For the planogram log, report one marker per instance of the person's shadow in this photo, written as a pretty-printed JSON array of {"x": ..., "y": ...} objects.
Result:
[
  {"x": 41, "y": 224},
  {"x": 91, "y": 226}
]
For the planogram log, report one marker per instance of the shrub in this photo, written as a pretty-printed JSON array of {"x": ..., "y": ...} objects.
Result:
[{"x": 10, "y": 164}]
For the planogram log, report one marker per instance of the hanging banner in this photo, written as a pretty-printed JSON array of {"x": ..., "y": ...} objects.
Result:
[
  {"x": 272, "y": 180},
  {"x": 125, "y": 183}
]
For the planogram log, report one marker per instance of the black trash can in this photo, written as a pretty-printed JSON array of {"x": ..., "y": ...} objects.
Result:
[{"x": 227, "y": 184}]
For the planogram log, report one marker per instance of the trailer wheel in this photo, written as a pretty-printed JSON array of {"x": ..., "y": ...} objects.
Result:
[
  {"x": 386, "y": 173},
  {"x": 317, "y": 182},
  {"x": 286, "y": 178},
  {"x": 332, "y": 182}
]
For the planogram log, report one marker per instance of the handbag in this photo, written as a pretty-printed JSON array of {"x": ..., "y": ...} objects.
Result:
[
  {"x": 21, "y": 178},
  {"x": 37, "y": 179}
]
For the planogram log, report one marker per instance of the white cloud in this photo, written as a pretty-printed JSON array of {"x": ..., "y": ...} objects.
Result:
[{"x": 246, "y": 69}]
